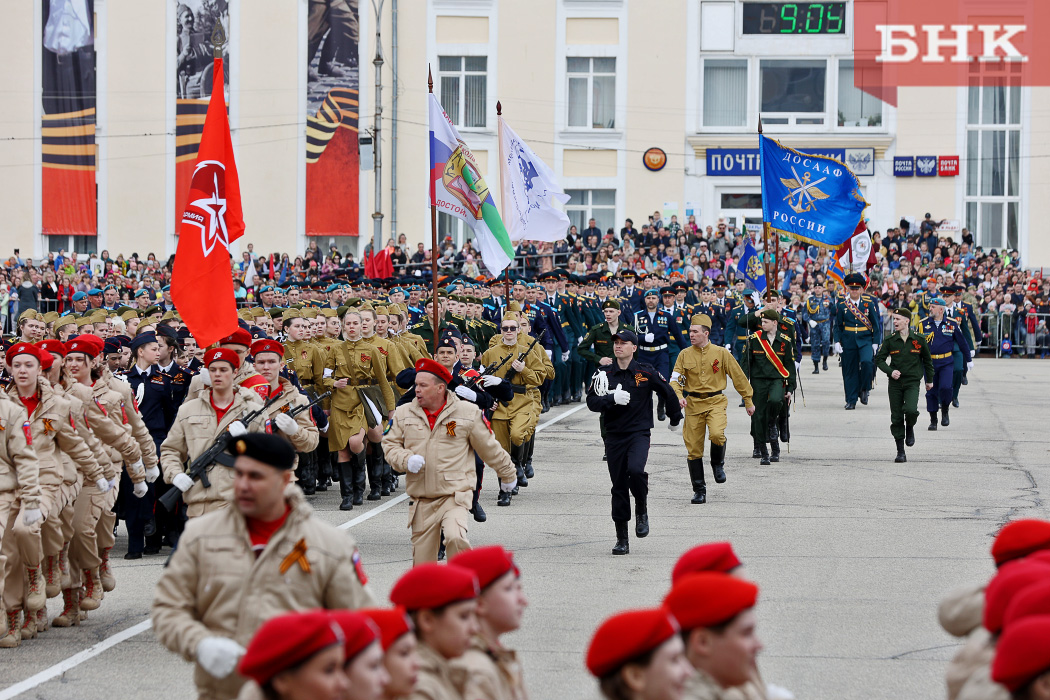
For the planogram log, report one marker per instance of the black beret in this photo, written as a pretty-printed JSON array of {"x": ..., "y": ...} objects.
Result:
[{"x": 266, "y": 448}]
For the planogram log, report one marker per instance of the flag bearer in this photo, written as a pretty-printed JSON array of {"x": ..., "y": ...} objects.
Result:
[{"x": 770, "y": 366}]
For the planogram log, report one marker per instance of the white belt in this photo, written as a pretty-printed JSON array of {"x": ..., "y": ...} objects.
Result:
[{"x": 654, "y": 348}]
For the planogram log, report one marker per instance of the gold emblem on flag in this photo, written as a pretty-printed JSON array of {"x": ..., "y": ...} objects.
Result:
[
  {"x": 802, "y": 194},
  {"x": 463, "y": 180}
]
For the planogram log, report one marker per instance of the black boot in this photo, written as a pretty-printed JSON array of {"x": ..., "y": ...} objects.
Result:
[
  {"x": 696, "y": 476},
  {"x": 476, "y": 510},
  {"x": 765, "y": 454},
  {"x": 386, "y": 479},
  {"x": 358, "y": 482},
  {"x": 774, "y": 451},
  {"x": 901, "y": 457},
  {"x": 345, "y": 471},
  {"x": 375, "y": 475},
  {"x": 933, "y": 420},
  {"x": 718, "y": 460},
  {"x": 622, "y": 545},
  {"x": 526, "y": 458},
  {"x": 503, "y": 499},
  {"x": 864, "y": 397},
  {"x": 909, "y": 436},
  {"x": 944, "y": 415},
  {"x": 661, "y": 411},
  {"x": 955, "y": 402},
  {"x": 773, "y": 433},
  {"x": 515, "y": 456},
  {"x": 757, "y": 452},
  {"x": 816, "y": 367},
  {"x": 641, "y": 518},
  {"x": 825, "y": 366}
]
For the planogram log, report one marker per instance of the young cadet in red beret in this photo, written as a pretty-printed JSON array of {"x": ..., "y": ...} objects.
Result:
[
  {"x": 715, "y": 612},
  {"x": 1022, "y": 659},
  {"x": 245, "y": 376},
  {"x": 639, "y": 655},
  {"x": 364, "y": 656},
  {"x": 442, "y": 602},
  {"x": 493, "y": 672},
  {"x": 399, "y": 650}
]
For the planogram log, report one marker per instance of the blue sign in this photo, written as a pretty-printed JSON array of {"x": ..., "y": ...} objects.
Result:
[
  {"x": 903, "y": 166},
  {"x": 926, "y": 166},
  {"x": 746, "y": 161}
]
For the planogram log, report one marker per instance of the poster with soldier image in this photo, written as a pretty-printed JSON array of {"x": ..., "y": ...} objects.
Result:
[
  {"x": 197, "y": 22},
  {"x": 332, "y": 159}
]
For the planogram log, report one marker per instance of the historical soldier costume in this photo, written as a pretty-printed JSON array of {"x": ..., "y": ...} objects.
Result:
[
  {"x": 770, "y": 367},
  {"x": 699, "y": 380},
  {"x": 905, "y": 358},
  {"x": 944, "y": 337},
  {"x": 858, "y": 331},
  {"x": 623, "y": 393}
]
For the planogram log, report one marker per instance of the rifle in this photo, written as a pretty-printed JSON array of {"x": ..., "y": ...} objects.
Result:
[
  {"x": 511, "y": 373},
  {"x": 496, "y": 366},
  {"x": 314, "y": 400},
  {"x": 198, "y": 470}
]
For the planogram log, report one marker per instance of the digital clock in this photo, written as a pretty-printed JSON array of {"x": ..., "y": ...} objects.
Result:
[{"x": 794, "y": 18}]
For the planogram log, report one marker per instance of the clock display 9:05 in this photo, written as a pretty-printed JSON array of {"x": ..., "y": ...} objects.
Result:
[{"x": 794, "y": 18}]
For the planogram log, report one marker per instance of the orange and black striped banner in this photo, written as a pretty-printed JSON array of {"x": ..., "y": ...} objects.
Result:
[{"x": 338, "y": 109}]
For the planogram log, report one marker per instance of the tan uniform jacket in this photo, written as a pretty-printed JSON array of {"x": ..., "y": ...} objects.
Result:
[
  {"x": 361, "y": 364},
  {"x": 197, "y": 385},
  {"x": 704, "y": 371},
  {"x": 308, "y": 360},
  {"x": 411, "y": 350},
  {"x": 448, "y": 450},
  {"x": 54, "y": 433},
  {"x": 215, "y": 586},
  {"x": 701, "y": 686},
  {"x": 962, "y": 610},
  {"x": 18, "y": 465},
  {"x": 532, "y": 376},
  {"x": 134, "y": 421},
  {"x": 98, "y": 451},
  {"x": 106, "y": 420},
  {"x": 306, "y": 439},
  {"x": 195, "y": 428},
  {"x": 435, "y": 677},
  {"x": 487, "y": 673}
]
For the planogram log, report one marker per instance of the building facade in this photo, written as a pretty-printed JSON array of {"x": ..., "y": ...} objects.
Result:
[{"x": 638, "y": 107}]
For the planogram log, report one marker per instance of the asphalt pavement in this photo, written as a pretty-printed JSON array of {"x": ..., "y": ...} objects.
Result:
[{"x": 851, "y": 551}]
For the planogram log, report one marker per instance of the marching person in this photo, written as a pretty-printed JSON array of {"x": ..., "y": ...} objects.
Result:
[
  {"x": 944, "y": 337},
  {"x": 597, "y": 345},
  {"x": 433, "y": 439},
  {"x": 299, "y": 430},
  {"x": 399, "y": 650},
  {"x": 698, "y": 379},
  {"x": 904, "y": 357},
  {"x": 771, "y": 370},
  {"x": 858, "y": 330},
  {"x": 237, "y": 567},
  {"x": 658, "y": 331},
  {"x": 817, "y": 312},
  {"x": 623, "y": 394}
]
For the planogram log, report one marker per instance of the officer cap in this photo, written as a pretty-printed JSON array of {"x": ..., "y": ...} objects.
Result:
[
  {"x": 611, "y": 304},
  {"x": 112, "y": 345},
  {"x": 287, "y": 640},
  {"x": 183, "y": 335},
  {"x": 701, "y": 320},
  {"x": 167, "y": 332},
  {"x": 626, "y": 636},
  {"x": 628, "y": 274},
  {"x": 626, "y": 337},
  {"x": 709, "y": 599},
  {"x": 223, "y": 354},
  {"x": 549, "y": 275},
  {"x": 713, "y": 556},
  {"x": 664, "y": 291},
  {"x": 721, "y": 284},
  {"x": 393, "y": 624},
  {"x": 906, "y": 313},
  {"x": 770, "y": 314},
  {"x": 430, "y": 586},
  {"x": 854, "y": 279},
  {"x": 139, "y": 340},
  {"x": 447, "y": 341},
  {"x": 267, "y": 345}
]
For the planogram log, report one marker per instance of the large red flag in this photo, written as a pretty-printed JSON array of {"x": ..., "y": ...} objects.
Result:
[
  {"x": 379, "y": 266},
  {"x": 201, "y": 281}
]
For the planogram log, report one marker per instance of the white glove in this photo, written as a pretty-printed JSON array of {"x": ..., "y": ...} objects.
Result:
[
  {"x": 465, "y": 393},
  {"x": 490, "y": 380},
  {"x": 874, "y": 347},
  {"x": 601, "y": 383},
  {"x": 649, "y": 337},
  {"x": 286, "y": 424},
  {"x": 136, "y": 465},
  {"x": 182, "y": 482},
  {"x": 139, "y": 489},
  {"x": 415, "y": 463},
  {"x": 103, "y": 484},
  {"x": 237, "y": 429},
  {"x": 152, "y": 474},
  {"x": 219, "y": 655},
  {"x": 565, "y": 356},
  {"x": 205, "y": 376},
  {"x": 140, "y": 393},
  {"x": 622, "y": 397},
  {"x": 508, "y": 486},
  {"x": 969, "y": 365},
  {"x": 729, "y": 346},
  {"x": 812, "y": 323},
  {"x": 112, "y": 483},
  {"x": 838, "y": 348},
  {"x": 775, "y": 692},
  {"x": 33, "y": 516},
  {"x": 328, "y": 372},
  {"x": 550, "y": 354},
  {"x": 798, "y": 365}
]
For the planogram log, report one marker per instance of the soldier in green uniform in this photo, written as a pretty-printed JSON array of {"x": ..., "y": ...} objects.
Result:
[
  {"x": 770, "y": 366},
  {"x": 905, "y": 358},
  {"x": 425, "y": 328}
]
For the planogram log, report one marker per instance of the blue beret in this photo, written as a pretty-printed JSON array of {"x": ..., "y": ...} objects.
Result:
[
  {"x": 937, "y": 301},
  {"x": 140, "y": 292},
  {"x": 267, "y": 288},
  {"x": 78, "y": 296},
  {"x": 94, "y": 292},
  {"x": 166, "y": 288},
  {"x": 651, "y": 293},
  {"x": 332, "y": 288}
]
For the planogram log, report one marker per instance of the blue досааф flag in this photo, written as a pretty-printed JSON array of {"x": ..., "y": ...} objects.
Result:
[
  {"x": 812, "y": 198},
  {"x": 750, "y": 266}
]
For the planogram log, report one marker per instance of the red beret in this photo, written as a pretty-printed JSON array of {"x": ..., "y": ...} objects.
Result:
[
  {"x": 709, "y": 598},
  {"x": 436, "y": 368},
  {"x": 224, "y": 354},
  {"x": 1033, "y": 600},
  {"x": 47, "y": 361},
  {"x": 24, "y": 349},
  {"x": 90, "y": 345},
  {"x": 1019, "y": 539},
  {"x": 626, "y": 636},
  {"x": 1011, "y": 580},
  {"x": 55, "y": 346},
  {"x": 487, "y": 563},
  {"x": 1022, "y": 653},
  {"x": 267, "y": 345},
  {"x": 358, "y": 631},
  {"x": 429, "y": 586},
  {"x": 393, "y": 623},
  {"x": 238, "y": 337},
  {"x": 713, "y": 556},
  {"x": 286, "y": 640}
]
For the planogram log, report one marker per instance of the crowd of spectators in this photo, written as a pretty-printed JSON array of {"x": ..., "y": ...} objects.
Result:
[{"x": 1013, "y": 303}]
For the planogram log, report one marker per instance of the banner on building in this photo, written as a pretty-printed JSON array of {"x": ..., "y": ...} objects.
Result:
[
  {"x": 195, "y": 22},
  {"x": 332, "y": 157},
  {"x": 68, "y": 124}
]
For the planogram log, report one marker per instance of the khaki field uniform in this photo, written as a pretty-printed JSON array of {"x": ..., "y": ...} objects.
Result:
[
  {"x": 307, "y": 359},
  {"x": 308, "y": 436},
  {"x": 19, "y": 485},
  {"x": 487, "y": 673},
  {"x": 512, "y": 422},
  {"x": 702, "y": 373},
  {"x": 365, "y": 367},
  {"x": 436, "y": 678}
]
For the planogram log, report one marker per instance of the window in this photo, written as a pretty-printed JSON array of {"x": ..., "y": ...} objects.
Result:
[
  {"x": 592, "y": 92},
  {"x": 464, "y": 89},
  {"x": 792, "y": 92},
  {"x": 585, "y": 205},
  {"x": 856, "y": 107},
  {"x": 744, "y": 200},
  {"x": 725, "y": 92},
  {"x": 72, "y": 244},
  {"x": 993, "y": 157}
]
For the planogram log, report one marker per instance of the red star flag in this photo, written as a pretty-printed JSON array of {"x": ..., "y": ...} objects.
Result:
[{"x": 201, "y": 282}]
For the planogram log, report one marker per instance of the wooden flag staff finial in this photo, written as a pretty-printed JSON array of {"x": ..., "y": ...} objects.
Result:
[
  {"x": 499, "y": 108},
  {"x": 218, "y": 39},
  {"x": 430, "y": 80}
]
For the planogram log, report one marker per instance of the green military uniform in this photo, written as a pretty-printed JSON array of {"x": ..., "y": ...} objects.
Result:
[
  {"x": 769, "y": 384},
  {"x": 600, "y": 338},
  {"x": 910, "y": 356},
  {"x": 425, "y": 328}
]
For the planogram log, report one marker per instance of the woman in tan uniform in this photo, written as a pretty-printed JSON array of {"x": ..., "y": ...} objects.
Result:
[
  {"x": 380, "y": 476},
  {"x": 355, "y": 371},
  {"x": 399, "y": 650}
]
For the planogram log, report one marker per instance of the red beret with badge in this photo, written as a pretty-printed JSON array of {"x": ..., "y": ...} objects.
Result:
[
  {"x": 238, "y": 337},
  {"x": 90, "y": 345},
  {"x": 24, "y": 349},
  {"x": 393, "y": 623},
  {"x": 267, "y": 345},
  {"x": 358, "y": 631},
  {"x": 1019, "y": 539},
  {"x": 222, "y": 354},
  {"x": 435, "y": 368}
]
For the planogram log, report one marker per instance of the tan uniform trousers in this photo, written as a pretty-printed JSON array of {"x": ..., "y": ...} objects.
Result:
[
  {"x": 429, "y": 518},
  {"x": 515, "y": 430},
  {"x": 9, "y": 510},
  {"x": 92, "y": 530},
  {"x": 704, "y": 417},
  {"x": 24, "y": 546},
  {"x": 70, "y": 493}
]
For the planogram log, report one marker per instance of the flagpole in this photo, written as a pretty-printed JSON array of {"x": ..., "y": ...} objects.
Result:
[
  {"x": 499, "y": 121},
  {"x": 765, "y": 224},
  {"x": 433, "y": 242}
]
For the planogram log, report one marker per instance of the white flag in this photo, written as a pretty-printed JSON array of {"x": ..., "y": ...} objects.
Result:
[{"x": 529, "y": 192}]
